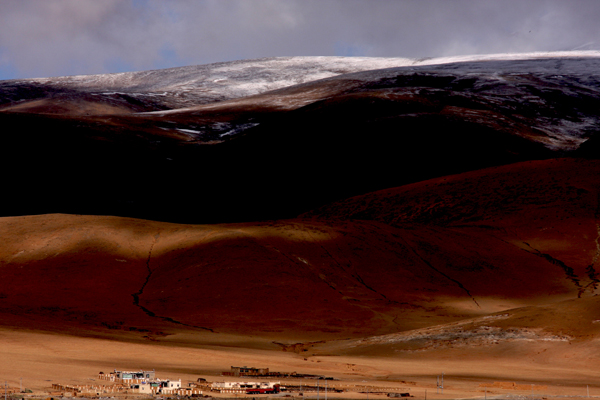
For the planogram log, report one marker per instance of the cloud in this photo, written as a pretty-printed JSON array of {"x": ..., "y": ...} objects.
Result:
[{"x": 62, "y": 37}]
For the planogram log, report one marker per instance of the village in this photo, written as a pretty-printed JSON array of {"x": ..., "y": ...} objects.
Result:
[{"x": 250, "y": 382}]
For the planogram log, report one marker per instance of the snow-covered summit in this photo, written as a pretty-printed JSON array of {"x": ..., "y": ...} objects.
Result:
[
  {"x": 201, "y": 84},
  {"x": 550, "y": 97}
]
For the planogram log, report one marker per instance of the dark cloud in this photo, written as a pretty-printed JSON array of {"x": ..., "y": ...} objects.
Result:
[{"x": 61, "y": 37}]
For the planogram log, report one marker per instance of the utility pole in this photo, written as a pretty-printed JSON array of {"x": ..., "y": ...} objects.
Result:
[
  {"x": 326, "y": 390},
  {"x": 317, "y": 389}
]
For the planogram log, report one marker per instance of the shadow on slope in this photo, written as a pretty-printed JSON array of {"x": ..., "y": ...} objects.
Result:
[
  {"x": 324, "y": 277},
  {"x": 290, "y": 163}
]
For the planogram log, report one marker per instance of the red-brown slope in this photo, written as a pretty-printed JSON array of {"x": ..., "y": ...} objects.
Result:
[
  {"x": 546, "y": 208},
  {"x": 420, "y": 255},
  {"x": 349, "y": 278}
]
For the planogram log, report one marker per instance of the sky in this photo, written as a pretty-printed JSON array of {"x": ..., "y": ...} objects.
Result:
[{"x": 45, "y": 38}]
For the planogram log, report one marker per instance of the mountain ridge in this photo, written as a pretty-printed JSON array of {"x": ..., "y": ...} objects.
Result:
[{"x": 403, "y": 124}]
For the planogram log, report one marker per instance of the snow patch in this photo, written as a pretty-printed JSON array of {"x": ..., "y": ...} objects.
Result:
[
  {"x": 239, "y": 129},
  {"x": 188, "y": 131}
]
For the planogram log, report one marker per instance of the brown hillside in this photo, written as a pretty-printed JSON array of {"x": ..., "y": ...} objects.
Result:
[
  {"x": 532, "y": 242},
  {"x": 545, "y": 208},
  {"x": 296, "y": 278}
]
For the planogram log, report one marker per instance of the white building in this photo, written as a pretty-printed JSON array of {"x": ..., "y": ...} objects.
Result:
[{"x": 165, "y": 386}]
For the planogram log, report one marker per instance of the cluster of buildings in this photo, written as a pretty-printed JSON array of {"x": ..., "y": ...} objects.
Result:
[
  {"x": 265, "y": 373},
  {"x": 146, "y": 382}
]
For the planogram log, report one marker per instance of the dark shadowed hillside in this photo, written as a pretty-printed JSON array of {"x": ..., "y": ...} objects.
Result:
[{"x": 280, "y": 153}]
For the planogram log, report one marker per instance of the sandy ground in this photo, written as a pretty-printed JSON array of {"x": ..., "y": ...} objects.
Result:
[{"x": 41, "y": 359}]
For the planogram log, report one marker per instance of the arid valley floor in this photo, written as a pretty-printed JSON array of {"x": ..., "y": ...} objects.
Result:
[{"x": 378, "y": 221}]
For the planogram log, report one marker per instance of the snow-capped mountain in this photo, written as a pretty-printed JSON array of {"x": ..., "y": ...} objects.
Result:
[
  {"x": 552, "y": 93},
  {"x": 289, "y": 134},
  {"x": 200, "y": 84}
]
